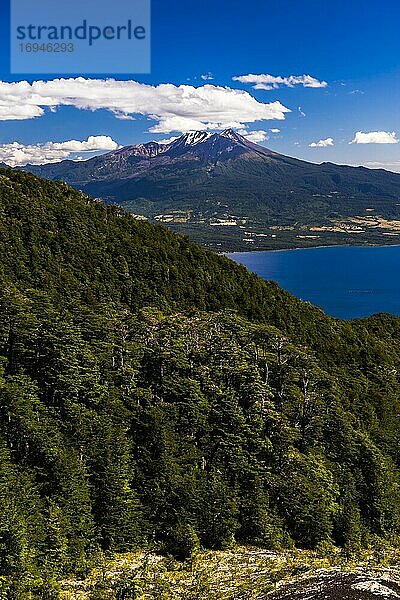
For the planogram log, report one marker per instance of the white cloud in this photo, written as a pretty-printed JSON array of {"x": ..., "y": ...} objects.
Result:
[
  {"x": 322, "y": 143},
  {"x": 207, "y": 76},
  {"x": 173, "y": 108},
  {"x": 16, "y": 154},
  {"x": 271, "y": 82},
  {"x": 301, "y": 112},
  {"x": 10, "y": 109},
  {"x": 254, "y": 136},
  {"x": 92, "y": 144},
  {"x": 375, "y": 137},
  {"x": 275, "y": 130}
]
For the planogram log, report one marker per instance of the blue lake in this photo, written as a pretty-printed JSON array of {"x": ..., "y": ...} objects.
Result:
[{"x": 347, "y": 282}]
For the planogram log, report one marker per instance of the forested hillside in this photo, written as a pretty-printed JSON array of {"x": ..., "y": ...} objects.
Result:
[{"x": 152, "y": 392}]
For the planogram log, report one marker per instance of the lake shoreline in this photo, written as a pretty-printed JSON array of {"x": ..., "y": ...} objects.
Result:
[{"x": 309, "y": 248}]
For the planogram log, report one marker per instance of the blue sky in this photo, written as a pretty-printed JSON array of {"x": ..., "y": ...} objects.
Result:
[{"x": 351, "y": 45}]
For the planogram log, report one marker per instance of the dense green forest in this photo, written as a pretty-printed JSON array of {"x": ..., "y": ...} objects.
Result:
[{"x": 152, "y": 392}]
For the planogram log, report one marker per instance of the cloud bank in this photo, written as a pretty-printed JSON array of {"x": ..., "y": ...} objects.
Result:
[
  {"x": 271, "y": 82},
  {"x": 322, "y": 143},
  {"x": 16, "y": 154},
  {"x": 172, "y": 108},
  {"x": 375, "y": 137}
]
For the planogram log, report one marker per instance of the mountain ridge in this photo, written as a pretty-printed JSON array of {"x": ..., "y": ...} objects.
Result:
[
  {"x": 202, "y": 181},
  {"x": 194, "y": 138}
]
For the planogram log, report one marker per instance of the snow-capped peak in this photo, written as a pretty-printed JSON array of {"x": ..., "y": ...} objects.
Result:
[
  {"x": 192, "y": 138},
  {"x": 231, "y": 134}
]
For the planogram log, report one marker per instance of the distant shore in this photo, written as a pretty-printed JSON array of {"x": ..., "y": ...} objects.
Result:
[{"x": 227, "y": 253}]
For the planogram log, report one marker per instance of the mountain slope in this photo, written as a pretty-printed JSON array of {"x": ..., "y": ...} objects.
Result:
[
  {"x": 202, "y": 182},
  {"x": 152, "y": 392}
]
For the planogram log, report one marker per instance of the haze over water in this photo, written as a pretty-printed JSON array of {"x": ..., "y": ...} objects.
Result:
[{"x": 346, "y": 282}]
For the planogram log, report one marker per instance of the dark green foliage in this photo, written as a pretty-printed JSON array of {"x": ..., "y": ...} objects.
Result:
[{"x": 151, "y": 391}]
